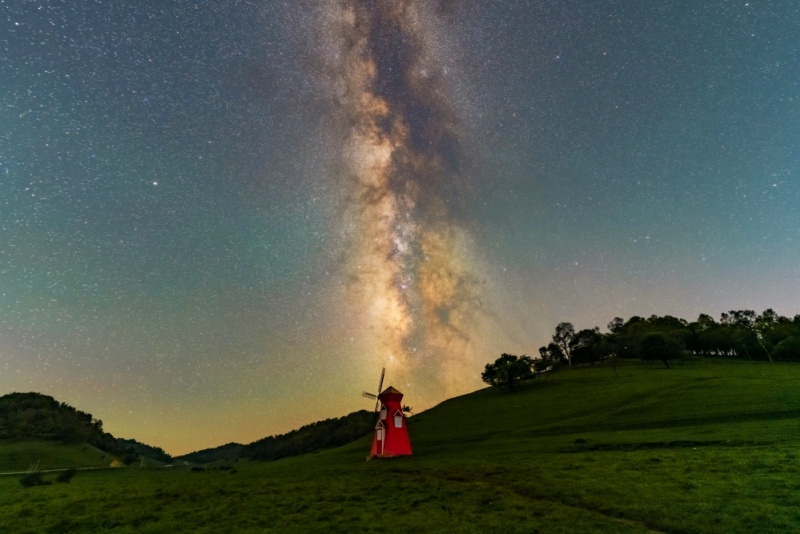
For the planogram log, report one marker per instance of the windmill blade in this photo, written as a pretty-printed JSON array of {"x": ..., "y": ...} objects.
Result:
[
  {"x": 369, "y": 395},
  {"x": 380, "y": 385}
]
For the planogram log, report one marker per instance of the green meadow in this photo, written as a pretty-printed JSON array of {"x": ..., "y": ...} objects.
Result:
[{"x": 707, "y": 446}]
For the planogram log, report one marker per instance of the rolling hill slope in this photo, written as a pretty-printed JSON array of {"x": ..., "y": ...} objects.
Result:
[
  {"x": 18, "y": 456},
  {"x": 44, "y": 427},
  {"x": 709, "y": 446}
]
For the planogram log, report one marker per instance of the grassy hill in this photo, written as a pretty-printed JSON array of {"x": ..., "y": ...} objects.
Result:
[
  {"x": 34, "y": 417},
  {"x": 46, "y": 455},
  {"x": 709, "y": 446}
]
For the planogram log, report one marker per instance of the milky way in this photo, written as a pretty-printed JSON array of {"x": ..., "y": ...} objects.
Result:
[
  {"x": 219, "y": 220},
  {"x": 407, "y": 246}
]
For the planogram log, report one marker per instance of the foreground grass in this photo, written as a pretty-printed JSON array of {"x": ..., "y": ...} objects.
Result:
[{"x": 704, "y": 447}]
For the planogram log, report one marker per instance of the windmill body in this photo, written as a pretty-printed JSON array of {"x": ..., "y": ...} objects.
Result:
[{"x": 391, "y": 433}]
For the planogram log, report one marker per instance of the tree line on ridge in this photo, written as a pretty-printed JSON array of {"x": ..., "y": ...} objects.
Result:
[{"x": 739, "y": 334}]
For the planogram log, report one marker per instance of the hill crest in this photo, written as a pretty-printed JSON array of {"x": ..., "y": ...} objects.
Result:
[{"x": 37, "y": 417}]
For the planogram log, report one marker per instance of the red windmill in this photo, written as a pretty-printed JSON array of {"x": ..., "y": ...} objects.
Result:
[{"x": 391, "y": 434}]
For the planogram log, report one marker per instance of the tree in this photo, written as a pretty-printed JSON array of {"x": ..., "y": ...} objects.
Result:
[
  {"x": 550, "y": 357},
  {"x": 763, "y": 325},
  {"x": 624, "y": 339},
  {"x": 508, "y": 370},
  {"x": 705, "y": 321},
  {"x": 743, "y": 318},
  {"x": 615, "y": 324},
  {"x": 749, "y": 331},
  {"x": 788, "y": 350},
  {"x": 783, "y": 328},
  {"x": 563, "y": 337},
  {"x": 659, "y": 346},
  {"x": 717, "y": 340},
  {"x": 585, "y": 346}
]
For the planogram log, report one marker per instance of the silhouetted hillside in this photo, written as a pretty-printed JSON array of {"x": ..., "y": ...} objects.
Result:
[
  {"x": 227, "y": 452},
  {"x": 37, "y": 416},
  {"x": 313, "y": 437},
  {"x": 33, "y": 416},
  {"x": 130, "y": 450}
]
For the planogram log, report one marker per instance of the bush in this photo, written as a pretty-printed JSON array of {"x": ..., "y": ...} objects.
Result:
[
  {"x": 787, "y": 350},
  {"x": 33, "y": 479},
  {"x": 65, "y": 476}
]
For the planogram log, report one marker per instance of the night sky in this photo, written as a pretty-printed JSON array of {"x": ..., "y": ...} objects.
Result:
[{"x": 220, "y": 220}]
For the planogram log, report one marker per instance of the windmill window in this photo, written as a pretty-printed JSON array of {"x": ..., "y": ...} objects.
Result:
[
  {"x": 379, "y": 434},
  {"x": 398, "y": 419},
  {"x": 383, "y": 413}
]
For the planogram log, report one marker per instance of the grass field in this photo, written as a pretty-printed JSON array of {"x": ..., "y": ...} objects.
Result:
[{"x": 709, "y": 446}]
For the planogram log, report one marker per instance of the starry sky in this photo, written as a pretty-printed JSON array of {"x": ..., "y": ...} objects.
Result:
[{"x": 220, "y": 220}]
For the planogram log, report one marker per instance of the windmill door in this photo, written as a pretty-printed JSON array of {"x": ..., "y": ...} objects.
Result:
[{"x": 380, "y": 437}]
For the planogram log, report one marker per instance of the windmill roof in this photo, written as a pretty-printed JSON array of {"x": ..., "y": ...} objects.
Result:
[{"x": 390, "y": 389}]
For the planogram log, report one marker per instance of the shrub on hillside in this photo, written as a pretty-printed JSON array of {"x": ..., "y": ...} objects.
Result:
[
  {"x": 66, "y": 476},
  {"x": 787, "y": 350},
  {"x": 33, "y": 479}
]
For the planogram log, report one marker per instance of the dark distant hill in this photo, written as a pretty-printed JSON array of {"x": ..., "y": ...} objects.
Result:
[
  {"x": 33, "y": 416},
  {"x": 316, "y": 436},
  {"x": 131, "y": 450},
  {"x": 228, "y": 452},
  {"x": 313, "y": 437}
]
